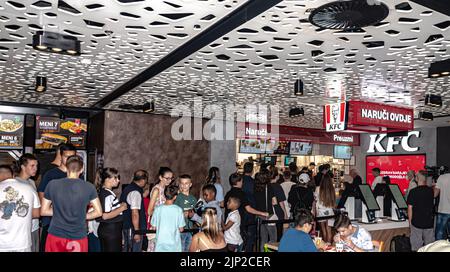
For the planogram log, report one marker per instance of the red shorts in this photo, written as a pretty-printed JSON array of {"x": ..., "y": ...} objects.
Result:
[{"x": 57, "y": 244}]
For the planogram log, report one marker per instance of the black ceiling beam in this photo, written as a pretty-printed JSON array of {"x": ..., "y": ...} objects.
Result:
[
  {"x": 239, "y": 16},
  {"x": 442, "y": 6}
]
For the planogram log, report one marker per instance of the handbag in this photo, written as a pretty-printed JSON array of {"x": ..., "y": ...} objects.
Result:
[{"x": 274, "y": 215}]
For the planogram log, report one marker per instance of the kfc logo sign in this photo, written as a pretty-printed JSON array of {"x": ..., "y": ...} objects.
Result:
[
  {"x": 376, "y": 145},
  {"x": 335, "y": 116}
]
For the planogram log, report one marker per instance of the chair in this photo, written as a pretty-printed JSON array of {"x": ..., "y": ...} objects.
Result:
[{"x": 378, "y": 244}]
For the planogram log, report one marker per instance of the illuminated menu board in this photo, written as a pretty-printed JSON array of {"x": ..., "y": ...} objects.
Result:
[
  {"x": 11, "y": 131},
  {"x": 52, "y": 131}
]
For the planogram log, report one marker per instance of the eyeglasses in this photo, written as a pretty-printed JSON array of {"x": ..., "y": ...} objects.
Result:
[{"x": 169, "y": 178}]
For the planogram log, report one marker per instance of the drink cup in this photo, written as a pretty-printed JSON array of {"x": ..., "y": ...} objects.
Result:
[
  {"x": 339, "y": 247},
  {"x": 318, "y": 241}
]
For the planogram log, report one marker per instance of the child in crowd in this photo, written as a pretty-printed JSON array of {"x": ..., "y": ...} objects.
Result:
[
  {"x": 186, "y": 202},
  {"x": 232, "y": 226},
  {"x": 209, "y": 196},
  {"x": 169, "y": 221}
]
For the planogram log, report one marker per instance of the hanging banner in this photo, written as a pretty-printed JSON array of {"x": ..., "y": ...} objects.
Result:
[
  {"x": 380, "y": 115},
  {"x": 335, "y": 116},
  {"x": 367, "y": 117}
]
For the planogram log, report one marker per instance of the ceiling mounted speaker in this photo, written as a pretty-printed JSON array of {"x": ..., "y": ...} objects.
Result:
[{"x": 349, "y": 14}]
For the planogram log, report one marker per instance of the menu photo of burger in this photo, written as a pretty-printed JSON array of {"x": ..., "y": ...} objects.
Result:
[{"x": 50, "y": 141}]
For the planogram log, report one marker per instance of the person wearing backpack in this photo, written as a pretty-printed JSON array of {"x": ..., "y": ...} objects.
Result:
[{"x": 301, "y": 195}]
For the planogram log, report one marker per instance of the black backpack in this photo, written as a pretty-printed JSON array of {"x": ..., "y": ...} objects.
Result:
[{"x": 400, "y": 243}]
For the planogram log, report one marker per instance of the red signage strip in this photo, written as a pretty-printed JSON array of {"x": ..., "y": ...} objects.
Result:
[
  {"x": 288, "y": 133},
  {"x": 369, "y": 114}
]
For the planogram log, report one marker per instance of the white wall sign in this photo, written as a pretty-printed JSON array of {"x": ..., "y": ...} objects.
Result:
[{"x": 375, "y": 144}]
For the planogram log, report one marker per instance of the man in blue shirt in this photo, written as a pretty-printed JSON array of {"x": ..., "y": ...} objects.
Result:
[{"x": 297, "y": 239}]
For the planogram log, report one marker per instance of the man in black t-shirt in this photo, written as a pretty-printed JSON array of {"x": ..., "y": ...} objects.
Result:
[
  {"x": 245, "y": 209},
  {"x": 421, "y": 213}
]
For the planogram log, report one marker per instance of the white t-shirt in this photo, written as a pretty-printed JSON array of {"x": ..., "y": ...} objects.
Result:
[
  {"x": 219, "y": 193},
  {"x": 443, "y": 184},
  {"x": 377, "y": 180},
  {"x": 17, "y": 201},
  {"x": 233, "y": 235},
  {"x": 438, "y": 246},
  {"x": 134, "y": 198},
  {"x": 34, "y": 222}
]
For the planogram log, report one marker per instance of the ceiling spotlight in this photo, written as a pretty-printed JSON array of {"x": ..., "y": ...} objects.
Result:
[
  {"x": 57, "y": 43},
  {"x": 433, "y": 100},
  {"x": 148, "y": 107},
  {"x": 41, "y": 84},
  {"x": 295, "y": 112},
  {"x": 439, "y": 69},
  {"x": 298, "y": 87},
  {"x": 426, "y": 116}
]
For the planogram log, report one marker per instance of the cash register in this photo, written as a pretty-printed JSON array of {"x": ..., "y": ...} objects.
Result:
[{"x": 370, "y": 205}]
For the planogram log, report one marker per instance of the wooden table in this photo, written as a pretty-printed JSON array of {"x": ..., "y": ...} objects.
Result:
[{"x": 385, "y": 230}]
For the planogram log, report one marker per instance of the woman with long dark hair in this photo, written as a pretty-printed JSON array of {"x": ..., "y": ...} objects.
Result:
[
  {"x": 214, "y": 179},
  {"x": 265, "y": 200},
  {"x": 279, "y": 208},
  {"x": 110, "y": 228},
  {"x": 325, "y": 202}
]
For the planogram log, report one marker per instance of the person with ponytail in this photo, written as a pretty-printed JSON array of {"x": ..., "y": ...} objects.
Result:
[
  {"x": 110, "y": 228},
  {"x": 210, "y": 238},
  {"x": 214, "y": 179}
]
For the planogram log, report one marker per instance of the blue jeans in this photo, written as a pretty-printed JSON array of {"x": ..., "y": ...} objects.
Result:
[
  {"x": 186, "y": 239},
  {"x": 93, "y": 243},
  {"x": 442, "y": 228},
  {"x": 130, "y": 244}
]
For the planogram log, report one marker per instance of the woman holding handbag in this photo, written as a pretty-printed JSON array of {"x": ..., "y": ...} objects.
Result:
[{"x": 265, "y": 200}]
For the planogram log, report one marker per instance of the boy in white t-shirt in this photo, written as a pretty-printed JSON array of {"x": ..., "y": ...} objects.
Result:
[
  {"x": 232, "y": 226},
  {"x": 19, "y": 203}
]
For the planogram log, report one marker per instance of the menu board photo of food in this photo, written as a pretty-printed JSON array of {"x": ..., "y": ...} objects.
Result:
[
  {"x": 301, "y": 148},
  {"x": 252, "y": 146},
  {"x": 52, "y": 131},
  {"x": 11, "y": 131},
  {"x": 278, "y": 147}
]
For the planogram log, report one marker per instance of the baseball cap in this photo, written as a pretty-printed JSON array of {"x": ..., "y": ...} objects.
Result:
[{"x": 303, "y": 178}]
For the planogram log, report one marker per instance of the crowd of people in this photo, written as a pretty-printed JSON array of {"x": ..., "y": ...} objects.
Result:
[{"x": 64, "y": 213}]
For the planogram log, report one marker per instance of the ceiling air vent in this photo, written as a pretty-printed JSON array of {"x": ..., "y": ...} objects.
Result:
[{"x": 349, "y": 14}]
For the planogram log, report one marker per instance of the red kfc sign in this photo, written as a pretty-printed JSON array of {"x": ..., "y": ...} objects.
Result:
[
  {"x": 380, "y": 115},
  {"x": 335, "y": 116},
  {"x": 367, "y": 116}
]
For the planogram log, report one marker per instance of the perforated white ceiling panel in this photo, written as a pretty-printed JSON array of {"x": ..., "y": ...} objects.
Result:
[
  {"x": 119, "y": 39},
  {"x": 259, "y": 62}
]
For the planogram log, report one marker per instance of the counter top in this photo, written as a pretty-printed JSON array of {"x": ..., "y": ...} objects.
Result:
[{"x": 384, "y": 224}]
